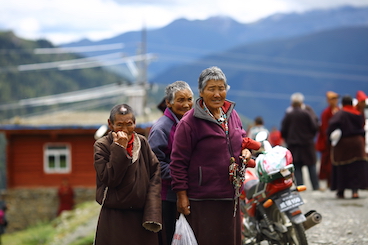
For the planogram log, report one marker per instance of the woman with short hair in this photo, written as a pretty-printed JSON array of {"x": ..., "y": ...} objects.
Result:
[
  {"x": 206, "y": 166},
  {"x": 179, "y": 100}
]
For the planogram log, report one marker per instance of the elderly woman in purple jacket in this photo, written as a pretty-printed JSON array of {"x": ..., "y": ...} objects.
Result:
[
  {"x": 207, "y": 163},
  {"x": 179, "y": 100}
]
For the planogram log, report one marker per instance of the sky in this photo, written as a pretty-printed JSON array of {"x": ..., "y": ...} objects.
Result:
[{"x": 65, "y": 21}]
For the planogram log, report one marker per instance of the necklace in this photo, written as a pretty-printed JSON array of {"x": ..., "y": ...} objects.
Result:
[
  {"x": 236, "y": 172},
  {"x": 221, "y": 120},
  {"x": 222, "y": 117}
]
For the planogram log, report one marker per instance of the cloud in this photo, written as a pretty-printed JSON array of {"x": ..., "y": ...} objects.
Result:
[
  {"x": 148, "y": 2},
  {"x": 71, "y": 20}
]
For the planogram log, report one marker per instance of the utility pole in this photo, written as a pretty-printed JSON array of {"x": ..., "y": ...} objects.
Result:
[{"x": 142, "y": 76}]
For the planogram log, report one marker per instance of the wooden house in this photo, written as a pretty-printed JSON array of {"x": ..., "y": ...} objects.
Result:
[{"x": 43, "y": 151}]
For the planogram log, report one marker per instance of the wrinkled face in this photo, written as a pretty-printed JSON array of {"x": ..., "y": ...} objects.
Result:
[
  {"x": 214, "y": 94},
  {"x": 183, "y": 102},
  {"x": 123, "y": 123}
]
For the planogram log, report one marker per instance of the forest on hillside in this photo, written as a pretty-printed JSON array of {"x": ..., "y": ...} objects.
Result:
[{"x": 19, "y": 80}]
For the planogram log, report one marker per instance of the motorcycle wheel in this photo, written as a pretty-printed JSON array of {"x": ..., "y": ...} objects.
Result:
[
  {"x": 249, "y": 233},
  {"x": 295, "y": 234},
  {"x": 248, "y": 229}
]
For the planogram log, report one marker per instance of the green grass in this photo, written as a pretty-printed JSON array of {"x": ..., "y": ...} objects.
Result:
[
  {"x": 76, "y": 227},
  {"x": 39, "y": 234}
]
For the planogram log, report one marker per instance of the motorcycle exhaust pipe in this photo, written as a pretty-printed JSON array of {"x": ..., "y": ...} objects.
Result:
[{"x": 313, "y": 218}]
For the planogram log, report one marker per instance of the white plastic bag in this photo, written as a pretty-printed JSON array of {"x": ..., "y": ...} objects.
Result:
[{"x": 183, "y": 233}]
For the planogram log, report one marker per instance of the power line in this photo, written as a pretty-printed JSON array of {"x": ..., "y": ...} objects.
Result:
[
  {"x": 83, "y": 63},
  {"x": 57, "y": 64},
  {"x": 256, "y": 57},
  {"x": 78, "y": 96},
  {"x": 276, "y": 70},
  {"x": 63, "y": 50},
  {"x": 80, "y": 49},
  {"x": 125, "y": 60}
]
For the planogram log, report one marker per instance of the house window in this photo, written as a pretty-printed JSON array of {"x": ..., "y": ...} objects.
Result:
[{"x": 57, "y": 158}]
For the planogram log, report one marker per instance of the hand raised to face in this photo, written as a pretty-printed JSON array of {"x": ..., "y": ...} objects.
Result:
[{"x": 121, "y": 138}]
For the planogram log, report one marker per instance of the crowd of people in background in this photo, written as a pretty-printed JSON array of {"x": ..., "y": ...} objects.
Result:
[{"x": 338, "y": 135}]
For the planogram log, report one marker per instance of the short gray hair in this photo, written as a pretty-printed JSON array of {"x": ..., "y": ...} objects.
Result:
[
  {"x": 173, "y": 88},
  {"x": 121, "y": 109},
  {"x": 297, "y": 97},
  {"x": 211, "y": 73}
]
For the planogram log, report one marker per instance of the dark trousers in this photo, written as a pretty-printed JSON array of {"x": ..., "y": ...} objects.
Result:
[
  {"x": 312, "y": 175},
  {"x": 169, "y": 216}
]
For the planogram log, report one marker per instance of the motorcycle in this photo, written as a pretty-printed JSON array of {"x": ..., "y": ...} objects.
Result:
[{"x": 270, "y": 200}]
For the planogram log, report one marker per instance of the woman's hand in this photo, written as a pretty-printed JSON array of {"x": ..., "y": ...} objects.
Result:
[
  {"x": 246, "y": 155},
  {"x": 246, "y": 158},
  {"x": 183, "y": 202}
]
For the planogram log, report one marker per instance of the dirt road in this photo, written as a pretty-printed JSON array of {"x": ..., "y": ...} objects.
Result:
[{"x": 344, "y": 221}]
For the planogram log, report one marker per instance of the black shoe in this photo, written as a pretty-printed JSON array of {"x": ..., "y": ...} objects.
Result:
[{"x": 340, "y": 195}]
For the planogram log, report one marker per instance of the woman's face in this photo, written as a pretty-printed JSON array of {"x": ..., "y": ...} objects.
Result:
[
  {"x": 183, "y": 102},
  {"x": 214, "y": 94},
  {"x": 123, "y": 123}
]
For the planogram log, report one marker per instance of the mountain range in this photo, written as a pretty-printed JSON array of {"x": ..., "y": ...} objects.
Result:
[
  {"x": 266, "y": 61},
  {"x": 263, "y": 75},
  {"x": 184, "y": 40}
]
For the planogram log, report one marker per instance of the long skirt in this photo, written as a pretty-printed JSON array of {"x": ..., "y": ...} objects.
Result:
[
  {"x": 326, "y": 165},
  {"x": 213, "y": 222},
  {"x": 325, "y": 170},
  {"x": 350, "y": 168},
  {"x": 123, "y": 227},
  {"x": 350, "y": 176}
]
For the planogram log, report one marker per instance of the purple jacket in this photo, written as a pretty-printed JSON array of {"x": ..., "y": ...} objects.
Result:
[{"x": 200, "y": 155}]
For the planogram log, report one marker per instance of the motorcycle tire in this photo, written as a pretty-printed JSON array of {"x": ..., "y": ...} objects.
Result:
[
  {"x": 249, "y": 233},
  {"x": 295, "y": 234}
]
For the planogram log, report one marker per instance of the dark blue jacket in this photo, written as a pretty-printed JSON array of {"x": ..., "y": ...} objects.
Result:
[{"x": 160, "y": 139}]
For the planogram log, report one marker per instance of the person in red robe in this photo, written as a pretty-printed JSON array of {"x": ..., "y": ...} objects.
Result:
[
  {"x": 275, "y": 137},
  {"x": 66, "y": 197},
  {"x": 361, "y": 98},
  {"x": 323, "y": 144}
]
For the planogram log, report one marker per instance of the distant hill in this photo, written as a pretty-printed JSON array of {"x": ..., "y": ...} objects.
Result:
[
  {"x": 263, "y": 75},
  {"x": 182, "y": 41},
  {"x": 16, "y": 84}
]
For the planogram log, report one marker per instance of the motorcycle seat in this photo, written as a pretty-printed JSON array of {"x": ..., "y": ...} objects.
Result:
[{"x": 249, "y": 187}]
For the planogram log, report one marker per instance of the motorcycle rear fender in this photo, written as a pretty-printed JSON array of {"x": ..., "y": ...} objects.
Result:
[{"x": 296, "y": 216}]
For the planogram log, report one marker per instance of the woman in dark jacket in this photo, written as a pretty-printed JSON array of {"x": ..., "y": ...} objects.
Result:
[
  {"x": 128, "y": 184},
  {"x": 348, "y": 157},
  {"x": 179, "y": 100},
  {"x": 206, "y": 167}
]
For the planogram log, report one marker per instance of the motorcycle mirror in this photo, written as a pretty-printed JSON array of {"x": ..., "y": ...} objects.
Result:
[
  {"x": 261, "y": 136},
  {"x": 101, "y": 131}
]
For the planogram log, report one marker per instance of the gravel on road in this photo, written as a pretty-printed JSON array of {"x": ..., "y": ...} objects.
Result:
[{"x": 344, "y": 221}]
